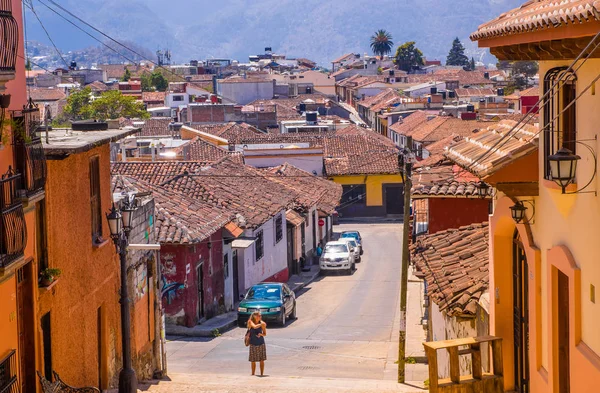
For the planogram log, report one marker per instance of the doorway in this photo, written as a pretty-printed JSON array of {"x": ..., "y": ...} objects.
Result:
[
  {"x": 200, "y": 276},
  {"x": 563, "y": 333},
  {"x": 520, "y": 315},
  {"x": 25, "y": 320},
  {"x": 394, "y": 199},
  {"x": 290, "y": 251},
  {"x": 47, "y": 342},
  {"x": 236, "y": 276}
]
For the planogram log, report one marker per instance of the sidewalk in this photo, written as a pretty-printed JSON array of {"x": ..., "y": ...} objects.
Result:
[
  {"x": 222, "y": 323},
  {"x": 416, "y": 373}
]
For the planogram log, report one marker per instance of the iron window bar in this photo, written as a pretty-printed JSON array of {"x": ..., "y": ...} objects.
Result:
[
  {"x": 9, "y": 37},
  {"x": 13, "y": 232},
  {"x": 8, "y": 373}
]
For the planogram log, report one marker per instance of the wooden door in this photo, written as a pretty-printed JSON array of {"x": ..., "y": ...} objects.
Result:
[
  {"x": 520, "y": 316},
  {"x": 25, "y": 321},
  {"x": 563, "y": 334},
  {"x": 290, "y": 251},
  {"x": 394, "y": 199}
]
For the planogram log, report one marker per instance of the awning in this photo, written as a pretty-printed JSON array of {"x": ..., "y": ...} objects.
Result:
[
  {"x": 242, "y": 243},
  {"x": 294, "y": 218}
]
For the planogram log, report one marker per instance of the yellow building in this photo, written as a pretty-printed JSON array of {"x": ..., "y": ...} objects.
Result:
[{"x": 544, "y": 270}]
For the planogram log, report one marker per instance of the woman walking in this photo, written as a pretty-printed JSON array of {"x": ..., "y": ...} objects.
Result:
[{"x": 258, "y": 350}]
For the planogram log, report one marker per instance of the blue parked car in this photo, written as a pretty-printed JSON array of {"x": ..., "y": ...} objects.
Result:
[
  {"x": 275, "y": 301},
  {"x": 356, "y": 236}
]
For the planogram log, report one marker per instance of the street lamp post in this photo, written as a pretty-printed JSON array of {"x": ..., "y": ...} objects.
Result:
[{"x": 119, "y": 223}]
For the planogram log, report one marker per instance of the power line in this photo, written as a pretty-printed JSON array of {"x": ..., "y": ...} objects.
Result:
[{"x": 30, "y": 6}]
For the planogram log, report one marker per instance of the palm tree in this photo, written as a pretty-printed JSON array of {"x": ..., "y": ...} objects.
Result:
[{"x": 381, "y": 43}]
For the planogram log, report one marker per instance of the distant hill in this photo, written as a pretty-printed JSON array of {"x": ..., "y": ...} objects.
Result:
[{"x": 316, "y": 29}]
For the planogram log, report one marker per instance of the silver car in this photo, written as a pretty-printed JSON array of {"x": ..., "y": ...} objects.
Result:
[
  {"x": 353, "y": 247},
  {"x": 337, "y": 256}
]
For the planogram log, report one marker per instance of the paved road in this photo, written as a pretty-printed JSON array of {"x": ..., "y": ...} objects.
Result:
[{"x": 344, "y": 329}]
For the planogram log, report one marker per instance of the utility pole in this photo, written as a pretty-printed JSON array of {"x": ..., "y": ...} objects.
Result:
[{"x": 405, "y": 167}]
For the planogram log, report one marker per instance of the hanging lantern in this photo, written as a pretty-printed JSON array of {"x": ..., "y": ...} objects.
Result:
[
  {"x": 563, "y": 167},
  {"x": 518, "y": 212},
  {"x": 483, "y": 189}
]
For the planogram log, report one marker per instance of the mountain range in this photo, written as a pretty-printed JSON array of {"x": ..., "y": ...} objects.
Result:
[{"x": 320, "y": 30}]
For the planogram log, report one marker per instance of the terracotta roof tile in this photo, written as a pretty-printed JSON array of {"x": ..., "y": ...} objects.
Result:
[
  {"x": 44, "y": 94},
  {"x": 499, "y": 150},
  {"x": 180, "y": 219},
  {"x": 156, "y": 126},
  {"x": 233, "y": 132},
  {"x": 448, "y": 188},
  {"x": 342, "y": 58},
  {"x": 474, "y": 92},
  {"x": 454, "y": 263},
  {"x": 151, "y": 96},
  {"x": 311, "y": 190},
  {"x": 535, "y": 15},
  {"x": 200, "y": 150},
  {"x": 226, "y": 184}
]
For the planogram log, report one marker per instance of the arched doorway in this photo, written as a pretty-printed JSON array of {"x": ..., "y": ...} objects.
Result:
[{"x": 520, "y": 315}]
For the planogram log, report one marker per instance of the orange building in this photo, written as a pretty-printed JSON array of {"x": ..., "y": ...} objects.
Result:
[
  {"x": 22, "y": 166},
  {"x": 544, "y": 237}
]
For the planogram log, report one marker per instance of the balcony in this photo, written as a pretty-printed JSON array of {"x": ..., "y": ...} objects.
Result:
[
  {"x": 8, "y": 373},
  {"x": 13, "y": 231},
  {"x": 29, "y": 153},
  {"x": 9, "y": 39}
]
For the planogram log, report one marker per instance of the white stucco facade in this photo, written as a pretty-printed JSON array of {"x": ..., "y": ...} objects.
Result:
[{"x": 245, "y": 92}]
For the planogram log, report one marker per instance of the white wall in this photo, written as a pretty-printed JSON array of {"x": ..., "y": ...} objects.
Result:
[
  {"x": 229, "y": 301},
  {"x": 175, "y": 104},
  {"x": 306, "y": 163},
  {"x": 274, "y": 258},
  {"x": 246, "y": 92}
]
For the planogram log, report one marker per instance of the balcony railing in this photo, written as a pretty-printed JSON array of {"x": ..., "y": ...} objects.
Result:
[
  {"x": 8, "y": 373},
  {"x": 13, "y": 231},
  {"x": 9, "y": 37},
  {"x": 29, "y": 153}
]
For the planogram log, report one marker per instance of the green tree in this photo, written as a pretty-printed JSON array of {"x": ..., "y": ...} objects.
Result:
[
  {"x": 381, "y": 43},
  {"x": 112, "y": 105},
  {"x": 159, "y": 81},
  {"x": 78, "y": 104},
  {"x": 127, "y": 75},
  {"x": 456, "y": 56},
  {"x": 146, "y": 81},
  {"x": 28, "y": 65},
  {"x": 408, "y": 56},
  {"x": 472, "y": 65}
]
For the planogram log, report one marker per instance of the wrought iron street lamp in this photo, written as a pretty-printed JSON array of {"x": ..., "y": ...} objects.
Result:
[
  {"x": 483, "y": 189},
  {"x": 563, "y": 167},
  {"x": 519, "y": 212},
  {"x": 119, "y": 223}
]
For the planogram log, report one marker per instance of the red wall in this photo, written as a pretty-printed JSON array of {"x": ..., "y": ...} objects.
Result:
[
  {"x": 282, "y": 276},
  {"x": 446, "y": 213},
  {"x": 528, "y": 102},
  {"x": 180, "y": 280}
]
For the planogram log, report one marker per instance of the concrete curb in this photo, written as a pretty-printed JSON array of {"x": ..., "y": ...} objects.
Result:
[{"x": 202, "y": 331}]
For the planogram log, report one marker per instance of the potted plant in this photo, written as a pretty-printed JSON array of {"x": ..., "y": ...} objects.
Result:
[{"x": 48, "y": 275}]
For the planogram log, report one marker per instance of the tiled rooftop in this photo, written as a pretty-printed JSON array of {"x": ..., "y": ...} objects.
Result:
[
  {"x": 233, "y": 132},
  {"x": 238, "y": 188},
  {"x": 311, "y": 189},
  {"x": 148, "y": 96},
  {"x": 46, "y": 94},
  {"x": 454, "y": 263},
  {"x": 156, "y": 126},
  {"x": 444, "y": 189},
  {"x": 200, "y": 150},
  {"x": 536, "y": 15},
  {"x": 179, "y": 218},
  {"x": 500, "y": 150},
  {"x": 474, "y": 92}
]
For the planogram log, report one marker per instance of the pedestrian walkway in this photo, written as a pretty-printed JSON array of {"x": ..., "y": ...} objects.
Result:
[
  {"x": 221, "y": 323},
  {"x": 209, "y": 383}
]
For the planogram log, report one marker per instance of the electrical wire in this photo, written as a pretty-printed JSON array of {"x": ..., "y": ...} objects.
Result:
[{"x": 30, "y": 6}]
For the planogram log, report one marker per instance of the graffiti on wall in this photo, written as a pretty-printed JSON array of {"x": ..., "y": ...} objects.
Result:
[{"x": 171, "y": 291}]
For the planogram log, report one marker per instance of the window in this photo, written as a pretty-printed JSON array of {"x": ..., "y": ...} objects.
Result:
[
  {"x": 96, "y": 208},
  {"x": 278, "y": 228},
  {"x": 559, "y": 123},
  {"x": 259, "y": 246},
  {"x": 177, "y": 98},
  {"x": 354, "y": 193}
]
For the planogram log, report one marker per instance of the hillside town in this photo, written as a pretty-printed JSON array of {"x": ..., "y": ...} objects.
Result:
[{"x": 386, "y": 222}]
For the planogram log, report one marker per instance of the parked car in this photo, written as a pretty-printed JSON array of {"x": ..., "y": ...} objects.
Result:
[
  {"x": 353, "y": 247},
  {"x": 337, "y": 256},
  {"x": 275, "y": 301},
  {"x": 354, "y": 235}
]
